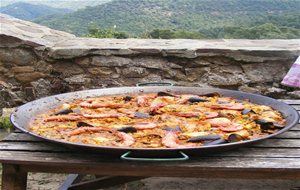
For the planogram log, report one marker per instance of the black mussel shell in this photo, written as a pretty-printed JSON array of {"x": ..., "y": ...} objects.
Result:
[
  {"x": 211, "y": 94},
  {"x": 77, "y": 111},
  {"x": 204, "y": 138},
  {"x": 278, "y": 125},
  {"x": 234, "y": 138},
  {"x": 141, "y": 115},
  {"x": 172, "y": 129},
  {"x": 264, "y": 125},
  {"x": 247, "y": 111},
  {"x": 127, "y": 98},
  {"x": 128, "y": 129},
  {"x": 215, "y": 142},
  {"x": 196, "y": 99},
  {"x": 84, "y": 124},
  {"x": 222, "y": 102},
  {"x": 63, "y": 112},
  {"x": 165, "y": 94}
]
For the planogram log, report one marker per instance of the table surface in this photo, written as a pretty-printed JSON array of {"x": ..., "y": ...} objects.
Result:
[{"x": 274, "y": 158}]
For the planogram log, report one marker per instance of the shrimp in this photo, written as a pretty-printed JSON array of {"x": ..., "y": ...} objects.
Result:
[
  {"x": 225, "y": 124},
  {"x": 144, "y": 100},
  {"x": 90, "y": 104},
  {"x": 127, "y": 139},
  {"x": 61, "y": 118},
  {"x": 185, "y": 98},
  {"x": 230, "y": 106},
  {"x": 103, "y": 115},
  {"x": 171, "y": 140},
  {"x": 142, "y": 126},
  {"x": 87, "y": 129}
]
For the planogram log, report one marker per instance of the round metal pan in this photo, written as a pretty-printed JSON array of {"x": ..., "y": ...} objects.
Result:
[{"x": 23, "y": 114}]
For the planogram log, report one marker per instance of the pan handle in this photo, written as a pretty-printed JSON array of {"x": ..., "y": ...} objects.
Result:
[
  {"x": 182, "y": 158},
  {"x": 155, "y": 84}
]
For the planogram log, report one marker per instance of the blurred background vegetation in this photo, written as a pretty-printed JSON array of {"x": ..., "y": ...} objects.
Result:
[{"x": 166, "y": 19}]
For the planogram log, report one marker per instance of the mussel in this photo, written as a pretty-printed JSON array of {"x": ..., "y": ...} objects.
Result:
[
  {"x": 177, "y": 128},
  {"x": 196, "y": 99},
  {"x": 234, "y": 138},
  {"x": 127, "y": 129},
  {"x": 245, "y": 111},
  {"x": 204, "y": 138},
  {"x": 222, "y": 102},
  {"x": 127, "y": 98},
  {"x": 141, "y": 115},
  {"x": 84, "y": 124},
  {"x": 77, "y": 111},
  {"x": 211, "y": 94},
  {"x": 215, "y": 142},
  {"x": 165, "y": 94},
  {"x": 64, "y": 112},
  {"x": 265, "y": 125}
]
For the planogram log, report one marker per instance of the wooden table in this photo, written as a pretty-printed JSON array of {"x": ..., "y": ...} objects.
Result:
[{"x": 276, "y": 158}]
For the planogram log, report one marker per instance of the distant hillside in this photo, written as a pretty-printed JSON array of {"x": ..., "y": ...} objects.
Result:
[
  {"x": 27, "y": 11},
  {"x": 140, "y": 16},
  {"x": 67, "y": 4}
]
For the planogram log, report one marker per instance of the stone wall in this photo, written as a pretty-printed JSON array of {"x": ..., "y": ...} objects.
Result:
[{"x": 36, "y": 61}]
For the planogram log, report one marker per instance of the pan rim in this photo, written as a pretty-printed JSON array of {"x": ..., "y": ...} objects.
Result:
[{"x": 142, "y": 90}]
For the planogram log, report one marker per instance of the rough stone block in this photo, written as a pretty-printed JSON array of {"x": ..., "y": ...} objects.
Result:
[
  {"x": 22, "y": 69},
  {"x": 227, "y": 76},
  {"x": 83, "y": 61},
  {"x": 78, "y": 80},
  {"x": 134, "y": 72},
  {"x": 3, "y": 69},
  {"x": 154, "y": 63},
  {"x": 265, "y": 72},
  {"x": 41, "y": 88},
  {"x": 67, "y": 68},
  {"x": 100, "y": 70},
  {"x": 17, "y": 56},
  {"x": 43, "y": 66},
  {"x": 28, "y": 77},
  {"x": 194, "y": 74},
  {"x": 110, "y": 61}
]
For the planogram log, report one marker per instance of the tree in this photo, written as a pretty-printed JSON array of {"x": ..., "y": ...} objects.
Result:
[{"x": 97, "y": 32}]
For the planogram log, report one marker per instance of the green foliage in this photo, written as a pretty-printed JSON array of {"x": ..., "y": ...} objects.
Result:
[
  {"x": 187, "y": 19},
  {"x": 96, "y": 32},
  {"x": 67, "y": 4},
  {"x": 168, "y": 34},
  {"x": 28, "y": 11},
  {"x": 5, "y": 123},
  {"x": 264, "y": 31}
]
